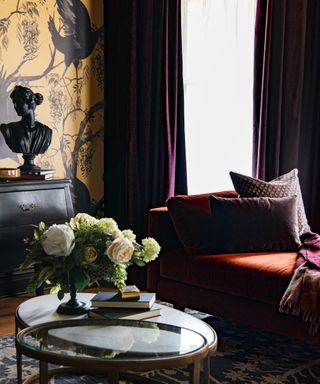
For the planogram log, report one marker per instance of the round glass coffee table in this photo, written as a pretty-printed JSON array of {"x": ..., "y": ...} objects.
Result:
[
  {"x": 111, "y": 347},
  {"x": 42, "y": 309}
]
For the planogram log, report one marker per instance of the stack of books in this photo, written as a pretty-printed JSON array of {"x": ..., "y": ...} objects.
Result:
[
  {"x": 110, "y": 305},
  {"x": 43, "y": 174}
]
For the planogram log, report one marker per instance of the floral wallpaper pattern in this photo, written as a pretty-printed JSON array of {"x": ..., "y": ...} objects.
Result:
[{"x": 55, "y": 47}]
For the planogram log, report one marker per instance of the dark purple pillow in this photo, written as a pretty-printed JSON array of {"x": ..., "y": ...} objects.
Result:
[
  {"x": 257, "y": 224},
  {"x": 191, "y": 217}
]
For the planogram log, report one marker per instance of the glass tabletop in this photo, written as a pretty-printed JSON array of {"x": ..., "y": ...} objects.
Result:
[{"x": 111, "y": 340}]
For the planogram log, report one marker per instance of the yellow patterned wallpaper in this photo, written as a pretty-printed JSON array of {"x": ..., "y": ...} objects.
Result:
[{"x": 55, "y": 47}]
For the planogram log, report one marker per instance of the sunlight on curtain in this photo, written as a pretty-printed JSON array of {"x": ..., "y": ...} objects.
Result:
[{"x": 218, "y": 40}]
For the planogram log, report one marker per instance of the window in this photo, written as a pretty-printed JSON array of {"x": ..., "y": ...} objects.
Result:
[{"x": 218, "y": 41}]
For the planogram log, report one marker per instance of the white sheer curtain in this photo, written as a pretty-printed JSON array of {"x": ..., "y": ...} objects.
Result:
[{"x": 218, "y": 39}]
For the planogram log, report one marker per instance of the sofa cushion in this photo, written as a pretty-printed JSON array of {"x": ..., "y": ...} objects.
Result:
[
  {"x": 259, "y": 276},
  {"x": 257, "y": 224},
  {"x": 283, "y": 186},
  {"x": 191, "y": 217}
]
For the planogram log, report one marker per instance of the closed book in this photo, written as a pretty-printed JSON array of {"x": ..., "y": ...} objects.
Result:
[
  {"x": 46, "y": 172},
  {"x": 30, "y": 176},
  {"x": 114, "y": 300},
  {"x": 125, "y": 313},
  {"x": 129, "y": 292}
]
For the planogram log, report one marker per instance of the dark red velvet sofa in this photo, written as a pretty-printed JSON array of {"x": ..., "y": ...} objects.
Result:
[{"x": 244, "y": 287}]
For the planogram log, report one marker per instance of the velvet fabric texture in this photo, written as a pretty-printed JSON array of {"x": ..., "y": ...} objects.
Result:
[
  {"x": 227, "y": 306},
  {"x": 191, "y": 218},
  {"x": 258, "y": 224},
  {"x": 144, "y": 135},
  {"x": 283, "y": 186},
  {"x": 246, "y": 287},
  {"x": 310, "y": 251},
  {"x": 260, "y": 276},
  {"x": 286, "y": 96}
]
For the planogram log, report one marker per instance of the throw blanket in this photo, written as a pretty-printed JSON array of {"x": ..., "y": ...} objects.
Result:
[{"x": 303, "y": 293}]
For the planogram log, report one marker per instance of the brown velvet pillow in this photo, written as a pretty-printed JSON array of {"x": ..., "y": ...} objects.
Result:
[
  {"x": 191, "y": 218},
  {"x": 283, "y": 186},
  {"x": 258, "y": 224}
]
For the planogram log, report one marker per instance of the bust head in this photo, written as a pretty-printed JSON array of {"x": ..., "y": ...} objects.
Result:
[
  {"x": 26, "y": 136},
  {"x": 24, "y": 100}
]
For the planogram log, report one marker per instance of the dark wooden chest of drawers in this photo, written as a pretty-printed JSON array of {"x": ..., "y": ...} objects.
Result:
[{"x": 22, "y": 205}]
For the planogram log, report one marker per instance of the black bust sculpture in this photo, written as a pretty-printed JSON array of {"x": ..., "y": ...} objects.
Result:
[{"x": 26, "y": 136}]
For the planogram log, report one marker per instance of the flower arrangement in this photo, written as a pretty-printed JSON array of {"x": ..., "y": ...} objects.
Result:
[{"x": 82, "y": 251}]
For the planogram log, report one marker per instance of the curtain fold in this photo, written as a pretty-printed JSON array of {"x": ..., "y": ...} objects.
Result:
[
  {"x": 286, "y": 95},
  {"x": 144, "y": 133}
]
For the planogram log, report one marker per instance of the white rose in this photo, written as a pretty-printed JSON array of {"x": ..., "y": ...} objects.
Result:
[
  {"x": 59, "y": 240},
  {"x": 120, "y": 250}
]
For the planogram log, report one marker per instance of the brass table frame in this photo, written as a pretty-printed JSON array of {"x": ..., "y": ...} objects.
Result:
[{"x": 113, "y": 368}]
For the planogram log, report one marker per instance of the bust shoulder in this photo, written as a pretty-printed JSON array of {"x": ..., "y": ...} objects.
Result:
[
  {"x": 8, "y": 126},
  {"x": 6, "y": 129}
]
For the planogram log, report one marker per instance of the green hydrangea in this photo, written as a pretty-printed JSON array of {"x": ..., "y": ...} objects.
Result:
[
  {"x": 150, "y": 250},
  {"x": 129, "y": 234},
  {"x": 82, "y": 221},
  {"x": 117, "y": 275},
  {"x": 107, "y": 224}
]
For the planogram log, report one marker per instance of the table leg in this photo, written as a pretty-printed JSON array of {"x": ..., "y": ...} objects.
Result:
[
  {"x": 195, "y": 369},
  {"x": 206, "y": 370},
  {"x": 43, "y": 372},
  {"x": 113, "y": 377},
  {"x": 19, "y": 367}
]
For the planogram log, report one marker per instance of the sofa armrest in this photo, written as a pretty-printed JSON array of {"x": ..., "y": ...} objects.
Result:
[{"x": 161, "y": 228}]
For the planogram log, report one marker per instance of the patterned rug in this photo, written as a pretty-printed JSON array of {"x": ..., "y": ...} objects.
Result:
[{"x": 245, "y": 356}]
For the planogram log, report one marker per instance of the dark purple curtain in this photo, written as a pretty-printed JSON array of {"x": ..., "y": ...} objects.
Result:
[
  {"x": 287, "y": 95},
  {"x": 144, "y": 133}
]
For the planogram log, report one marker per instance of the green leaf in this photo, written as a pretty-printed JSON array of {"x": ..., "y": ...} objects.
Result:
[
  {"x": 77, "y": 256},
  {"x": 44, "y": 274},
  {"x": 140, "y": 263},
  {"x": 79, "y": 278},
  {"x": 60, "y": 295},
  {"x": 42, "y": 226},
  {"x": 55, "y": 289}
]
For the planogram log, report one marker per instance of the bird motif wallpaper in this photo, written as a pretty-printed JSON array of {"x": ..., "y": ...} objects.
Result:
[{"x": 55, "y": 47}]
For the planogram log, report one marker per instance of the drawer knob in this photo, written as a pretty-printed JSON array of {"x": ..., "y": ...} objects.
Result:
[{"x": 27, "y": 207}]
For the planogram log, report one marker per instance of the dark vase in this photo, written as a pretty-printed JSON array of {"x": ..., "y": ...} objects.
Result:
[{"x": 73, "y": 306}]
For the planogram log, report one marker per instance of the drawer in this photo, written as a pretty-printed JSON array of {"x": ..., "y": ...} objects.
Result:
[{"x": 31, "y": 207}]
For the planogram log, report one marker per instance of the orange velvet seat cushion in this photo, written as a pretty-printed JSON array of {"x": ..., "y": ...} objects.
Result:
[{"x": 259, "y": 276}]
